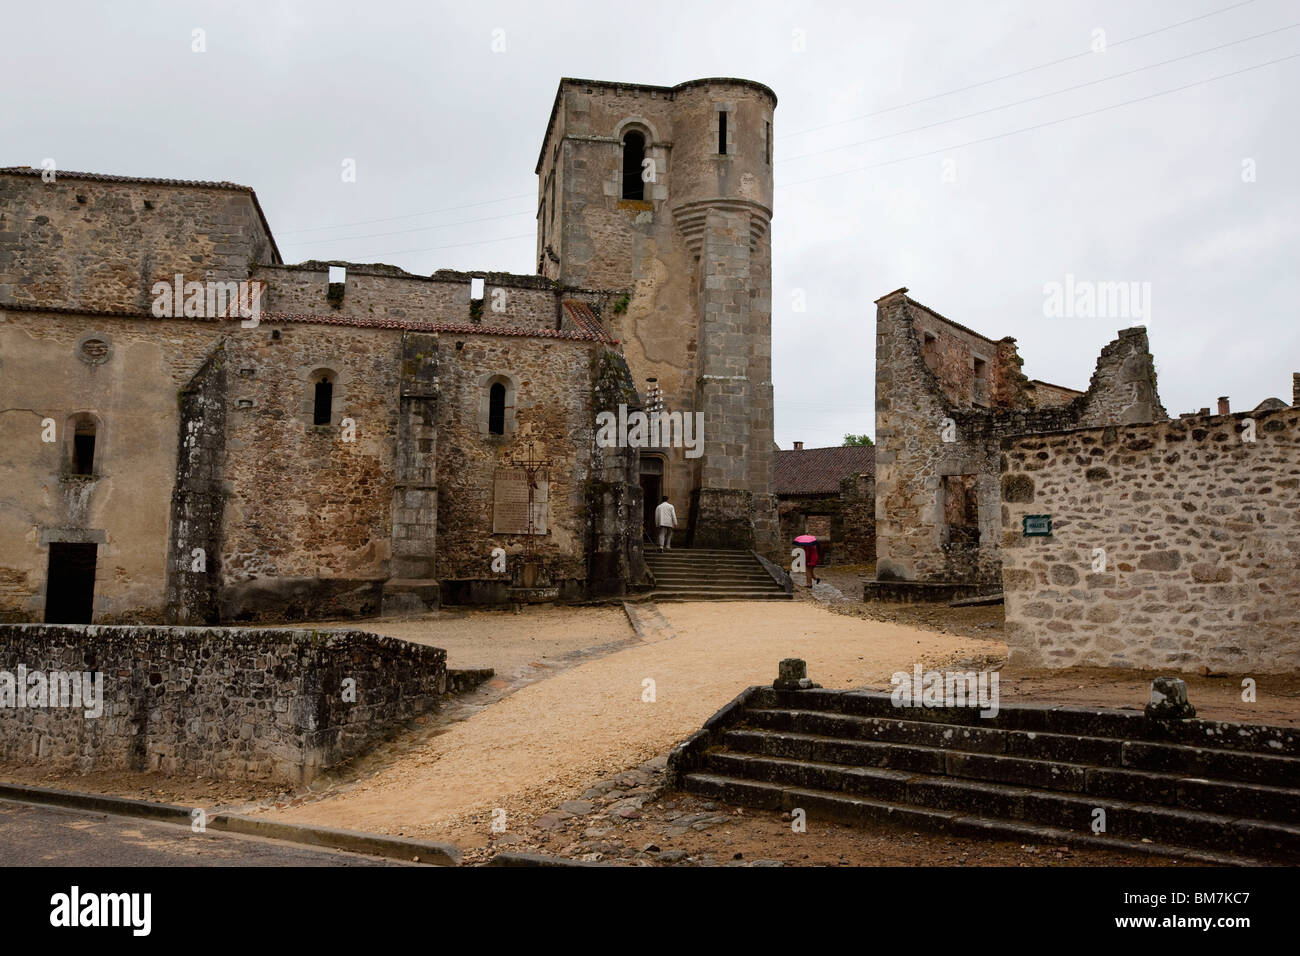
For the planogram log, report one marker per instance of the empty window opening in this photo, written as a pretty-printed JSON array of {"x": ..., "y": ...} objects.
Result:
[
  {"x": 980, "y": 394},
  {"x": 633, "y": 158},
  {"x": 497, "y": 409},
  {"x": 323, "y": 402},
  {"x": 338, "y": 283},
  {"x": 961, "y": 525},
  {"x": 70, "y": 583},
  {"x": 929, "y": 349},
  {"x": 476, "y": 291},
  {"x": 722, "y": 132},
  {"x": 767, "y": 143},
  {"x": 83, "y": 449}
]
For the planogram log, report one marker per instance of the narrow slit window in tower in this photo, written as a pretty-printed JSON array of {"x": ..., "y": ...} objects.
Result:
[
  {"x": 633, "y": 157},
  {"x": 722, "y": 132},
  {"x": 497, "y": 409},
  {"x": 323, "y": 407}
]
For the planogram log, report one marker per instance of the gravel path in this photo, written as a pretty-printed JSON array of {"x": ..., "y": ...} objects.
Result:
[{"x": 547, "y": 741}]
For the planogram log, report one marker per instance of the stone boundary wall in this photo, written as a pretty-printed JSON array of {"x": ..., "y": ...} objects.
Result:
[
  {"x": 257, "y": 704},
  {"x": 1201, "y": 532}
]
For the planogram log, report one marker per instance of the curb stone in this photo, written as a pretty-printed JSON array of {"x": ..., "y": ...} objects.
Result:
[{"x": 370, "y": 844}]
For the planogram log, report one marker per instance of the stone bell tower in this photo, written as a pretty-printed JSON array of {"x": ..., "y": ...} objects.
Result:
[{"x": 661, "y": 198}]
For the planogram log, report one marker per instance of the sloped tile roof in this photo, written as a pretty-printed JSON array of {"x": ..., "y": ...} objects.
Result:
[
  {"x": 818, "y": 471},
  {"x": 584, "y": 318},
  {"x": 111, "y": 178}
]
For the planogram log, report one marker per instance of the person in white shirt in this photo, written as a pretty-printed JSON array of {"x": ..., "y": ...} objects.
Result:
[{"x": 666, "y": 520}]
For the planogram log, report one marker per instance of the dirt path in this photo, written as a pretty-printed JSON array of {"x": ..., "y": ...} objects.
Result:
[{"x": 546, "y": 742}]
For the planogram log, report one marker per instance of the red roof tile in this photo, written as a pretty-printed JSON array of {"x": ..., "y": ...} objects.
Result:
[{"x": 584, "y": 318}]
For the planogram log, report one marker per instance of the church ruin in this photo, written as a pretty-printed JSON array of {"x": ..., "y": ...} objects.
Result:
[{"x": 371, "y": 439}]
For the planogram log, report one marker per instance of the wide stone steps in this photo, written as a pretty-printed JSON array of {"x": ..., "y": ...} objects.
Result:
[
  {"x": 1133, "y": 754},
  {"x": 1278, "y": 804},
  {"x": 1197, "y": 789},
  {"x": 710, "y": 575},
  {"x": 841, "y": 807}
]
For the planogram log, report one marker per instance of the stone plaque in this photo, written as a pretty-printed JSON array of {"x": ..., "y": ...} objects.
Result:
[
  {"x": 1037, "y": 526},
  {"x": 510, "y": 503}
]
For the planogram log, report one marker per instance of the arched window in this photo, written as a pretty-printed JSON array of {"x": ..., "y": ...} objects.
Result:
[
  {"x": 497, "y": 409},
  {"x": 323, "y": 401},
  {"x": 633, "y": 157},
  {"x": 83, "y": 447}
]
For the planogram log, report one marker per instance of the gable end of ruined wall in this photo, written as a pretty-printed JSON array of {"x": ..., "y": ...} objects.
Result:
[{"x": 1123, "y": 389}]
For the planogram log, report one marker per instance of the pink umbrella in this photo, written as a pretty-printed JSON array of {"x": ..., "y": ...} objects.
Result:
[{"x": 806, "y": 539}]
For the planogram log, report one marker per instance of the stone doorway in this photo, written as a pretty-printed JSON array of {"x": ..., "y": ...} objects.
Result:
[
  {"x": 652, "y": 489},
  {"x": 70, "y": 585}
]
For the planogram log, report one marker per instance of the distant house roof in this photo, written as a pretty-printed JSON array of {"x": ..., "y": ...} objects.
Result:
[{"x": 818, "y": 471}]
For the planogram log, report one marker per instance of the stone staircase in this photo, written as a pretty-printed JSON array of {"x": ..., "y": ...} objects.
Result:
[
  {"x": 1197, "y": 789},
  {"x": 696, "y": 574}
]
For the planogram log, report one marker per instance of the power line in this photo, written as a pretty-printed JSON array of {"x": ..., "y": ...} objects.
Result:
[
  {"x": 1026, "y": 129},
  {"x": 1040, "y": 96},
  {"x": 412, "y": 215},
  {"x": 1007, "y": 76},
  {"x": 454, "y": 245},
  {"x": 1041, "y": 66},
  {"x": 398, "y": 232}
]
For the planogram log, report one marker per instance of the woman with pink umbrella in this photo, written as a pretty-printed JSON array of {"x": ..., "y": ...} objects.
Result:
[{"x": 809, "y": 544}]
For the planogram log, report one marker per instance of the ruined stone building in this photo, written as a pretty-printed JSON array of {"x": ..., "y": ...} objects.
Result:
[
  {"x": 946, "y": 398},
  {"x": 375, "y": 438},
  {"x": 830, "y": 493},
  {"x": 1118, "y": 537}
]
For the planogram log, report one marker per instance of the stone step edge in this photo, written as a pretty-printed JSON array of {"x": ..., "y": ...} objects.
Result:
[
  {"x": 1006, "y": 789},
  {"x": 935, "y": 716},
  {"x": 1047, "y": 761},
  {"x": 1014, "y": 730},
  {"x": 788, "y": 798}
]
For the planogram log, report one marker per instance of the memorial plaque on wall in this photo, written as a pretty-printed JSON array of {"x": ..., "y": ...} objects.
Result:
[{"x": 510, "y": 503}]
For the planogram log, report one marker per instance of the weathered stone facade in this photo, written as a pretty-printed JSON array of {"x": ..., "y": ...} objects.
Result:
[
  {"x": 1173, "y": 545},
  {"x": 945, "y": 399},
  {"x": 355, "y": 447},
  {"x": 257, "y": 704}
]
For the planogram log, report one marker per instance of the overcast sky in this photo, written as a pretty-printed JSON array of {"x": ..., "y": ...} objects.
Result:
[{"x": 445, "y": 133}]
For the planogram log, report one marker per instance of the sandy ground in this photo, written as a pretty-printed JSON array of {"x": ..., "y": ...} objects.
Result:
[
  {"x": 545, "y": 742},
  {"x": 509, "y": 643}
]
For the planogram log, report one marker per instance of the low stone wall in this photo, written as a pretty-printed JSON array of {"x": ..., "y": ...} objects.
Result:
[
  {"x": 258, "y": 704},
  {"x": 1173, "y": 545}
]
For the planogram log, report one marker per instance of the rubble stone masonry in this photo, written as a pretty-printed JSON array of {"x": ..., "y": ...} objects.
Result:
[
  {"x": 1201, "y": 538},
  {"x": 241, "y": 703}
]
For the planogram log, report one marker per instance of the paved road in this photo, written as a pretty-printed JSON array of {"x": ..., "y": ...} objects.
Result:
[{"x": 34, "y": 835}]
